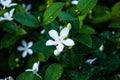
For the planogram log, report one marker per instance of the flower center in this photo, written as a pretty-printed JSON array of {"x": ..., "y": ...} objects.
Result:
[
  {"x": 26, "y": 48},
  {"x": 59, "y": 40}
]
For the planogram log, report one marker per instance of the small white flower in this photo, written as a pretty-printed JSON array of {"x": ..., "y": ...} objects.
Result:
[
  {"x": 90, "y": 61},
  {"x": 8, "y": 15},
  {"x": 101, "y": 48},
  {"x": 35, "y": 68},
  {"x": 74, "y": 2},
  {"x": 25, "y": 48},
  {"x": 60, "y": 40},
  {"x": 26, "y": 7},
  {"x": 7, "y": 3}
]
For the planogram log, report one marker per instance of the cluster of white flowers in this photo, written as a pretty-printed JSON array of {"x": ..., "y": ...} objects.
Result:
[
  {"x": 60, "y": 40},
  {"x": 7, "y": 15}
]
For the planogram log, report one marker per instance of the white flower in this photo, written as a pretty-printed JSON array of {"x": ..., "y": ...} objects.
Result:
[
  {"x": 101, "y": 48},
  {"x": 35, "y": 68},
  {"x": 25, "y": 48},
  {"x": 74, "y": 2},
  {"x": 90, "y": 61},
  {"x": 60, "y": 40},
  {"x": 26, "y": 7},
  {"x": 7, "y": 15},
  {"x": 7, "y": 3}
]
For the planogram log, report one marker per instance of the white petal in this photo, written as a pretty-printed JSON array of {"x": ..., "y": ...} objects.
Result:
[
  {"x": 20, "y": 48},
  {"x": 69, "y": 42},
  {"x": 50, "y": 42},
  {"x": 64, "y": 33},
  {"x": 60, "y": 47},
  {"x": 56, "y": 52},
  {"x": 53, "y": 34},
  {"x": 42, "y": 31},
  {"x": 74, "y": 2},
  {"x": 28, "y": 7},
  {"x": 30, "y": 44},
  {"x": 90, "y": 61},
  {"x": 13, "y": 4},
  {"x": 30, "y": 51},
  {"x": 24, "y": 54},
  {"x": 24, "y": 43},
  {"x": 28, "y": 70},
  {"x": 2, "y": 18},
  {"x": 35, "y": 67},
  {"x": 11, "y": 12}
]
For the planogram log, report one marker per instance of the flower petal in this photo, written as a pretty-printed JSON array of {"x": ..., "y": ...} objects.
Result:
[
  {"x": 20, "y": 48},
  {"x": 24, "y": 43},
  {"x": 11, "y": 12},
  {"x": 35, "y": 67},
  {"x": 24, "y": 54},
  {"x": 60, "y": 47},
  {"x": 30, "y": 44},
  {"x": 28, "y": 70},
  {"x": 90, "y": 61},
  {"x": 53, "y": 34},
  {"x": 51, "y": 42},
  {"x": 56, "y": 52},
  {"x": 13, "y": 4},
  {"x": 68, "y": 42},
  {"x": 64, "y": 32},
  {"x": 30, "y": 51}
]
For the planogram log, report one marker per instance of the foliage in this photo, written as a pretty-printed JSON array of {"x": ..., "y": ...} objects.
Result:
[{"x": 94, "y": 26}]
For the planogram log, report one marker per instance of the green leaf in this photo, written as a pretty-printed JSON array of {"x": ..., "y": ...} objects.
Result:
[
  {"x": 115, "y": 25},
  {"x": 26, "y": 76},
  {"x": 87, "y": 30},
  {"x": 12, "y": 60},
  {"x": 52, "y": 12},
  {"x": 116, "y": 10},
  {"x": 66, "y": 16},
  {"x": 10, "y": 26},
  {"x": 26, "y": 19},
  {"x": 101, "y": 14},
  {"x": 8, "y": 40},
  {"x": 41, "y": 48},
  {"x": 85, "y": 39},
  {"x": 53, "y": 72},
  {"x": 84, "y": 6}
]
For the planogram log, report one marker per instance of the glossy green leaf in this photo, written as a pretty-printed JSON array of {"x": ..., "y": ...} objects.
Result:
[
  {"x": 85, "y": 39},
  {"x": 101, "y": 14},
  {"x": 66, "y": 16},
  {"x": 87, "y": 30},
  {"x": 116, "y": 11},
  {"x": 52, "y": 12},
  {"x": 84, "y": 6},
  {"x": 53, "y": 72},
  {"x": 12, "y": 62},
  {"x": 115, "y": 25},
  {"x": 26, "y": 76},
  {"x": 10, "y": 26},
  {"x": 44, "y": 51},
  {"x": 8, "y": 40},
  {"x": 26, "y": 19}
]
